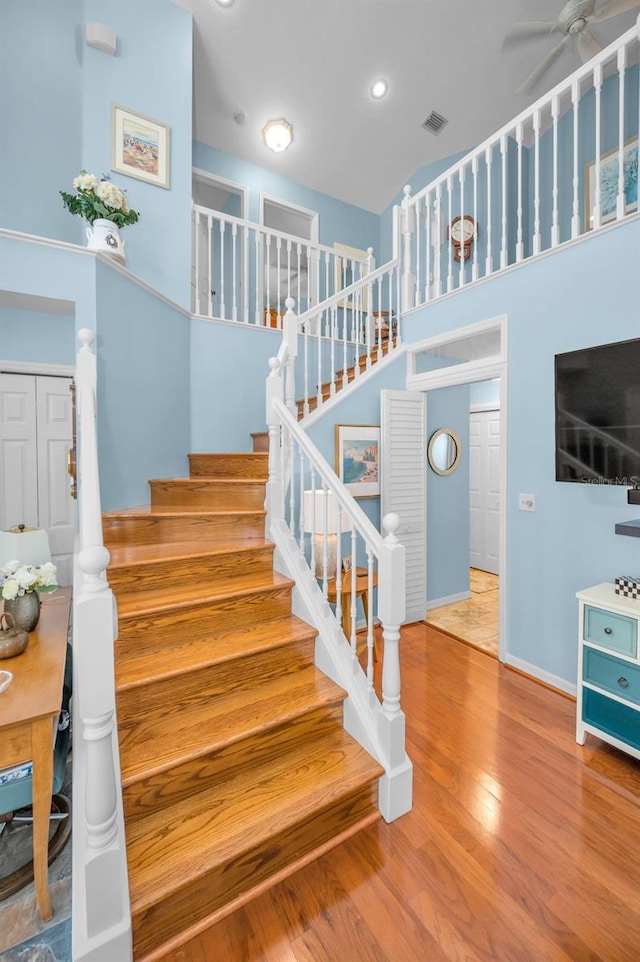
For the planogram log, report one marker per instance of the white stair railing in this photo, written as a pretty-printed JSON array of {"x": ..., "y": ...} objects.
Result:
[
  {"x": 315, "y": 523},
  {"x": 564, "y": 166},
  {"x": 344, "y": 335},
  {"x": 101, "y": 920},
  {"x": 244, "y": 272}
]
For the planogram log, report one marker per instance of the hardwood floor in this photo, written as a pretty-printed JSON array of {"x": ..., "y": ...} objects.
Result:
[{"x": 521, "y": 846}]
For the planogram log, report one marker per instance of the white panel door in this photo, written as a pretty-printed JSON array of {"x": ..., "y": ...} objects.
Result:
[
  {"x": 18, "y": 452},
  {"x": 35, "y": 435},
  {"x": 403, "y": 486},
  {"x": 484, "y": 490},
  {"x": 56, "y": 508}
]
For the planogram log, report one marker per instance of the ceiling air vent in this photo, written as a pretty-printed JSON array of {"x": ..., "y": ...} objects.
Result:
[{"x": 435, "y": 122}]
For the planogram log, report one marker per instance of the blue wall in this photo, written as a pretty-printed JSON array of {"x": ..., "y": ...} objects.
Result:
[
  {"x": 229, "y": 368},
  {"x": 142, "y": 346},
  {"x": 448, "y": 499},
  {"x": 485, "y": 392},
  {"x": 40, "y": 114},
  {"x": 37, "y": 337},
  {"x": 585, "y": 294}
]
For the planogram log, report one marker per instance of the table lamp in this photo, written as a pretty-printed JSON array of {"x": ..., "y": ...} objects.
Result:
[
  {"x": 320, "y": 518},
  {"x": 28, "y": 545}
]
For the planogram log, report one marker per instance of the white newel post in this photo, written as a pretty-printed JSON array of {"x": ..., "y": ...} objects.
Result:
[
  {"x": 407, "y": 222},
  {"x": 395, "y": 791},
  {"x": 101, "y": 913}
]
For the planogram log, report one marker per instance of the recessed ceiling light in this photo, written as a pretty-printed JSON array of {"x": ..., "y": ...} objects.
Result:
[
  {"x": 277, "y": 134},
  {"x": 379, "y": 89},
  {"x": 225, "y": 3}
]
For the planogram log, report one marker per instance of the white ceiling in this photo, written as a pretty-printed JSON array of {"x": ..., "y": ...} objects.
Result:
[{"x": 311, "y": 61}]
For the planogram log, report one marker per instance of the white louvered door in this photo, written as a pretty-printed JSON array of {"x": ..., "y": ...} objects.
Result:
[{"x": 403, "y": 490}]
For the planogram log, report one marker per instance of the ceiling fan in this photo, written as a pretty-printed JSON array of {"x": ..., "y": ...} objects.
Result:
[{"x": 573, "y": 22}]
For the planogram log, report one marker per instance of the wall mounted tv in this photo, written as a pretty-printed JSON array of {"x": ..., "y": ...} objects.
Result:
[{"x": 598, "y": 414}]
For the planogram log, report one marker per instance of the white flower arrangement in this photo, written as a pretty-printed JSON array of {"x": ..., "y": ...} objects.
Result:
[
  {"x": 17, "y": 578},
  {"x": 96, "y": 199}
]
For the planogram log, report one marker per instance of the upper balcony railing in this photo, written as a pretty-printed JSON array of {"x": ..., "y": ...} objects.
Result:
[
  {"x": 244, "y": 272},
  {"x": 565, "y": 166}
]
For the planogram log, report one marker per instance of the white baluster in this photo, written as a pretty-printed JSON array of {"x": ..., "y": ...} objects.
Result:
[
  {"x": 418, "y": 210},
  {"x": 555, "y": 226},
  {"x": 461, "y": 272},
  {"x": 437, "y": 282},
  {"x": 391, "y": 611},
  {"x": 489, "y": 260},
  {"x": 428, "y": 241},
  {"x": 223, "y": 306},
  {"x": 519, "y": 235},
  {"x": 258, "y": 319},
  {"x": 408, "y": 282},
  {"x": 234, "y": 275},
  {"x": 474, "y": 174},
  {"x": 575, "y": 215},
  {"x": 290, "y": 329},
  {"x": 504, "y": 257},
  {"x": 274, "y": 487},
  {"x": 196, "y": 246},
  {"x": 369, "y": 616},
  {"x": 537, "y": 238},
  {"x": 597, "y": 206},
  {"x": 449, "y": 245},
  {"x": 620, "y": 199},
  {"x": 210, "y": 266},
  {"x": 245, "y": 274}
]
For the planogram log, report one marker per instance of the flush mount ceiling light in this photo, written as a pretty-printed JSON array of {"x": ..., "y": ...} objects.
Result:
[
  {"x": 379, "y": 89},
  {"x": 277, "y": 134}
]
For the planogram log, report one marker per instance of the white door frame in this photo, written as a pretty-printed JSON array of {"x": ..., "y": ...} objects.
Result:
[
  {"x": 217, "y": 181},
  {"x": 314, "y": 221},
  {"x": 481, "y": 369}
]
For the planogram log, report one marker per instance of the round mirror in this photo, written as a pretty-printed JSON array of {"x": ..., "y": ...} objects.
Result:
[{"x": 444, "y": 451}]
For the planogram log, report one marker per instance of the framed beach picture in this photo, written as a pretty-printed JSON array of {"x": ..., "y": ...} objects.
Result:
[
  {"x": 609, "y": 164},
  {"x": 140, "y": 146},
  {"x": 358, "y": 459}
]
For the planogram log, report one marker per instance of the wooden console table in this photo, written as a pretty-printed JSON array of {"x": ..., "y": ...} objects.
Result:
[
  {"x": 29, "y": 710},
  {"x": 362, "y": 591}
]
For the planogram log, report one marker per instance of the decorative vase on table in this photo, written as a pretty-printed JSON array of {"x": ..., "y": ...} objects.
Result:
[
  {"x": 25, "y": 610},
  {"x": 104, "y": 235}
]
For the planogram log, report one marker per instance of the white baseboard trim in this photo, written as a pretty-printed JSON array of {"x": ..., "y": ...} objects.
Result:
[
  {"x": 448, "y": 600},
  {"x": 554, "y": 681}
]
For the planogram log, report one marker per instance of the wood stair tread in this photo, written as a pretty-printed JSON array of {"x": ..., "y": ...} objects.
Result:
[
  {"x": 162, "y": 740},
  {"x": 136, "y": 667},
  {"x": 168, "y": 848},
  {"x": 136, "y": 553},
  {"x": 167, "y": 511},
  {"x": 135, "y": 603}
]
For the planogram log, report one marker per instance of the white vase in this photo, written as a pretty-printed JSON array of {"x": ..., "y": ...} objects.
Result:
[{"x": 104, "y": 236}]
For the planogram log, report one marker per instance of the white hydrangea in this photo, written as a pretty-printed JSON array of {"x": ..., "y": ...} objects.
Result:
[
  {"x": 10, "y": 589},
  {"x": 26, "y": 576},
  {"x": 110, "y": 195},
  {"x": 85, "y": 181},
  {"x": 47, "y": 575}
]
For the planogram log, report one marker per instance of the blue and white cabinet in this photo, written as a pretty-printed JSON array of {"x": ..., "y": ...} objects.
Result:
[{"x": 608, "y": 692}]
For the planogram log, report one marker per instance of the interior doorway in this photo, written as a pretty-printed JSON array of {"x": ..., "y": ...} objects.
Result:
[
  {"x": 222, "y": 196},
  {"x": 288, "y": 270},
  {"x": 466, "y": 358}
]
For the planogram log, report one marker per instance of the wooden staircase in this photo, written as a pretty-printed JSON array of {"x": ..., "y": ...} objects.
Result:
[
  {"x": 340, "y": 379},
  {"x": 236, "y": 769}
]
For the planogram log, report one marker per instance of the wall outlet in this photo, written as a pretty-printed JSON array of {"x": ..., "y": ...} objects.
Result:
[{"x": 527, "y": 502}]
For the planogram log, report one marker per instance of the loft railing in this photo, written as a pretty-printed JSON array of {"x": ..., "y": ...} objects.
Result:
[
  {"x": 565, "y": 166},
  {"x": 101, "y": 920},
  {"x": 315, "y": 524},
  {"x": 344, "y": 335},
  {"x": 245, "y": 272}
]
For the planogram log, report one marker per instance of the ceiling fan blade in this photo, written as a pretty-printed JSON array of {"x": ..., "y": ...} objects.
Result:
[
  {"x": 613, "y": 9},
  {"x": 528, "y": 29},
  {"x": 527, "y": 85},
  {"x": 587, "y": 46}
]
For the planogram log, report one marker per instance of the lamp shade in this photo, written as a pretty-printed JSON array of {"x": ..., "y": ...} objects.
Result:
[
  {"x": 28, "y": 545},
  {"x": 323, "y": 498}
]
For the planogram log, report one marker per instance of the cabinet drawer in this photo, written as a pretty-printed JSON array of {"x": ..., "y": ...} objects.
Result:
[
  {"x": 611, "y": 717},
  {"x": 611, "y": 630},
  {"x": 612, "y": 674}
]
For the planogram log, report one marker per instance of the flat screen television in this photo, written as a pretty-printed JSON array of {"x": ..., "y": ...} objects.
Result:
[{"x": 598, "y": 414}]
